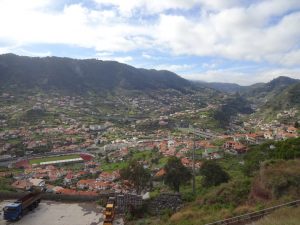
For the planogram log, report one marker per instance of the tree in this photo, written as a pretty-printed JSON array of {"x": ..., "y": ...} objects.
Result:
[
  {"x": 297, "y": 125},
  {"x": 136, "y": 174},
  {"x": 213, "y": 174},
  {"x": 176, "y": 173}
]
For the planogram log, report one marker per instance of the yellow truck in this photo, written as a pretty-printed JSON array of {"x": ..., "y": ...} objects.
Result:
[{"x": 109, "y": 212}]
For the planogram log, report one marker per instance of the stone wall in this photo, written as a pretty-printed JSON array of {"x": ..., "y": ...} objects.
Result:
[
  {"x": 127, "y": 201},
  {"x": 51, "y": 197},
  {"x": 165, "y": 201}
]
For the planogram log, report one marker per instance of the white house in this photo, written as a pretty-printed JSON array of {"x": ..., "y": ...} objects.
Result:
[{"x": 37, "y": 182}]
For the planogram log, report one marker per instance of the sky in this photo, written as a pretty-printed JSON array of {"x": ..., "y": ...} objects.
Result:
[{"x": 236, "y": 41}]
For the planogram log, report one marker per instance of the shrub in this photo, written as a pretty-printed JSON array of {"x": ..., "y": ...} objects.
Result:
[
  {"x": 230, "y": 194},
  {"x": 279, "y": 178},
  {"x": 213, "y": 174}
]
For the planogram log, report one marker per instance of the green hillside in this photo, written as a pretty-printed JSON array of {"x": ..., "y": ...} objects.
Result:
[
  {"x": 262, "y": 178},
  {"x": 287, "y": 98},
  {"x": 79, "y": 76}
]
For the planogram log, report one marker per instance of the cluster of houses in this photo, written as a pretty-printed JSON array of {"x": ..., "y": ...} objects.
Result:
[
  {"x": 56, "y": 139},
  {"x": 233, "y": 144},
  {"x": 72, "y": 135},
  {"x": 71, "y": 182},
  {"x": 81, "y": 183}
]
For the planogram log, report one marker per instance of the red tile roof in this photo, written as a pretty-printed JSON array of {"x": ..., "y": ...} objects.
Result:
[{"x": 160, "y": 173}]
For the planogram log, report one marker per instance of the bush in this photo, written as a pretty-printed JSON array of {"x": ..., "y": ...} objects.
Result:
[
  {"x": 233, "y": 193},
  {"x": 213, "y": 174},
  {"x": 176, "y": 173},
  {"x": 188, "y": 196},
  {"x": 279, "y": 178}
]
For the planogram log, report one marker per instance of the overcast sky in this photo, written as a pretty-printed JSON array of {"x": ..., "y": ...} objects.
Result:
[{"x": 241, "y": 41}]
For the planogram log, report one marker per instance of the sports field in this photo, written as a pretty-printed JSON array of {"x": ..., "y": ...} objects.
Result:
[{"x": 53, "y": 158}]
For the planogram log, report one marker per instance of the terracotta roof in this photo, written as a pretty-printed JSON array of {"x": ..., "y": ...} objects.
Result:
[
  {"x": 289, "y": 135},
  {"x": 254, "y": 135},
  {"x": 185, "y": 161},
  {"x": 101, "y": 184},
  {"x": 66, "y": 191},
  {"x": 86, "y": 182},
  {"x": 292, "y": 128},
  {"x": 160, "y": 173},
  {"x": 21, "y": 184}
]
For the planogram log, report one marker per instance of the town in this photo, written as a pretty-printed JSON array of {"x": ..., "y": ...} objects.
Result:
[
  {"x": 144, "y": 112},
  {"x": 64, "y": 151}
]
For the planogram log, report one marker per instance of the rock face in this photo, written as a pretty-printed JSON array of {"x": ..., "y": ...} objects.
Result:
[{"x": 164, "y": 202}]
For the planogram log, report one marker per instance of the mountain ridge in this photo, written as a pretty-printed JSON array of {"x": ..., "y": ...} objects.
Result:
[
  {"x": 82, "y": 75},
  {"x": 234, "y": 87}
]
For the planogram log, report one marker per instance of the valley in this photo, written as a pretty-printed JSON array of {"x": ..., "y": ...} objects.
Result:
[{"x": 92, "y": 128}]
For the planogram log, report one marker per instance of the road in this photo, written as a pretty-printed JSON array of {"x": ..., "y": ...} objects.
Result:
[{"x": 54, "y": 213}]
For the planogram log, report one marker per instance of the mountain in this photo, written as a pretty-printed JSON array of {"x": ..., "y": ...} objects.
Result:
[
  {"x": 288, "y": 98},
  {"x": 267, "y": 91},
  {"x": 282, "y": 93},
  {"x": 73, "y": 75},
  {"x": 231, "y": 107},
  {"x": 253, "y": 90},
  {"x": 223, "y": 87},
  {"x": 279, "y": 94}
]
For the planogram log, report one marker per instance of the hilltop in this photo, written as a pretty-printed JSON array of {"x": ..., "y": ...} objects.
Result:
[
  {"x": 80, "y": 76},
  {"x": 254, "y": 90},
  {"x": 288, "y": 97},
  {"x": 268, "y": 99},
  {"x": 264, "y": 92}
]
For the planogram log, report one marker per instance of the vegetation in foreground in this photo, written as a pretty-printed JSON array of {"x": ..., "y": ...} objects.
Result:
[
  {"x": 286, "y": 216},
  {"x": 255, "y": 183}
]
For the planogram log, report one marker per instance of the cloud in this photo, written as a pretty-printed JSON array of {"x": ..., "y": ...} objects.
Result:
[
  {"x": 177, "y": 68},
  {"x": 265, "y": 31},
  {"x": 235, "y": 33},
  {"x": 232, "y": 31},
  {"x": 129, "y": 7},
  {"x": 147, "y": 56},
  {"x": 219, "y": 4},
  {"x": 75, "y": 25},
  {"x": 34, "y": 53},
  {"x": 290, "y": 58},
  {"x": 104, "y": 54},
  {"x": 243, "y": 78},
  {"x": 125, "y": 59}
]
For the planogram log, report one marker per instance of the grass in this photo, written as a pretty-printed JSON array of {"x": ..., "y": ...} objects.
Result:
[
  {"x": 109, "y": 167},
  {"x": 142, "y": 155},
  {"x": 162, "y": 161},
  {"x": 232, "y": 165},
  {"x": 210, "y": 204},
  {"x": 5, "y": 184},
  {"x": 286, "y": 216},
  {"x": 53, "y": 158}
]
